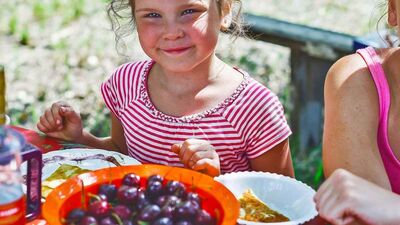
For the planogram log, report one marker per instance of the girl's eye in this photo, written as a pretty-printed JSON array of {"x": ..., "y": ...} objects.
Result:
[
  {"x": 188, "y": 11},
  {"x": 152, "y": 15}
]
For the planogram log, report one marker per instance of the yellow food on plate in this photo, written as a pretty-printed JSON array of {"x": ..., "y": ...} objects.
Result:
[
  {"x": 253, "y": 209},
  {"x": 64, "y": 172}
]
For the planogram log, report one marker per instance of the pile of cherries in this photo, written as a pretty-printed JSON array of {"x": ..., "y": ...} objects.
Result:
[{"x": 160, "y": 203}]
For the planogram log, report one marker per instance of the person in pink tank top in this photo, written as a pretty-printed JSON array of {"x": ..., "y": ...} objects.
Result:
[{"x": 361, "y": 142}]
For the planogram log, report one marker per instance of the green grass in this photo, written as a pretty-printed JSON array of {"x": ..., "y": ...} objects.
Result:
[{"x": 12, "y": 25}]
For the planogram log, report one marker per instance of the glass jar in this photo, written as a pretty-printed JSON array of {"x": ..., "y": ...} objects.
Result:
[{"x": 12, "y": 197}]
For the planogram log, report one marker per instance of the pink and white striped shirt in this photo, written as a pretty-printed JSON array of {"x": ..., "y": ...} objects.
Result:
[{"x": 244, "y": 126}]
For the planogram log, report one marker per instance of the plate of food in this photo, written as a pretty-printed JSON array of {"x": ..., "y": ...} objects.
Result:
[
  {"x": 61, "y": 165},
  {"x": 270, "y": 198}
]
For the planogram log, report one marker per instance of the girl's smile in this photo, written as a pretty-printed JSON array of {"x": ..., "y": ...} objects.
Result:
[{"x": 176, "y": 51}]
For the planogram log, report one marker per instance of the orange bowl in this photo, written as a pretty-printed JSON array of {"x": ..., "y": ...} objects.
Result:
[{"x": 217, "y": 199}]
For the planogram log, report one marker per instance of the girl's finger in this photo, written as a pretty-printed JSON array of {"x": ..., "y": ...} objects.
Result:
[
  {"x": 41, "y": 127},
  {"x": 207, "y": 166},
  {"x": 184, "y": 147},
  {"x": 186, "y": 153},
  {"x": 45, "y": 123},
  {"x": 69, "y": 114},
  {"x": 200, "y": 155},
  {"x": 48, "y": 114},
  {"x": 55, "y": 112},
  {"x": 348, "y": 220},
  {"x": 176, "y": 148}
]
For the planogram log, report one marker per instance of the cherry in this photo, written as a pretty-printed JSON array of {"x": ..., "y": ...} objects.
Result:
[
  {"x": 127, "y": 195},
  {"x": 153, "y": 178},
  {"x": 149, "y": 213},
  {"x": 193, "y": 197},
  {"x": 131, "y": 180},
  {"x": 99, "y": 209},
  {"x": 163, "y": 221},
  {"x": 186, "y": 210},
  {"x": 75, "y": 216},
  {"x": 122, "y": 211},
  {"x": 204, "y": 218},
  {"x": 175, "y": 188},
  {"x": 109, "y": 190},
  {"x": 89, "y": 220},
  {"x": 154, "y": 189}
]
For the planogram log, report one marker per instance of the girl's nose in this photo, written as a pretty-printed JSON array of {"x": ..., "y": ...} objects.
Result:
[{"x": 173, "y": 31}]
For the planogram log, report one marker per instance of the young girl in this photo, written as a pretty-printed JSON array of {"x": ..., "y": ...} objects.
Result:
[
  {"x": 184, "y": 107},
  {"x": 362, "y": 108}
]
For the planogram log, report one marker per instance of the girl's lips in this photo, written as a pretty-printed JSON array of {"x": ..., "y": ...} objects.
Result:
[{"x": 176, "y": 51}]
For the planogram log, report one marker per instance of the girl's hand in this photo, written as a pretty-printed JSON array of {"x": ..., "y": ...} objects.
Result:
[
  {"x": 61, "y": 121},
  {"x": 345, "y": 198},
  {"x": 198, "y": 155}
]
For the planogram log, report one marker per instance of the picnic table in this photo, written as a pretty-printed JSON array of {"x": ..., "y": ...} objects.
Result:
[{"x": 47, "y": 144}]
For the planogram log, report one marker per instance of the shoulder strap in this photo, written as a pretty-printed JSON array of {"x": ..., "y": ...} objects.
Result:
[
  {"x": 373, "y": 62},
  {"x": 392, "y": 165}
]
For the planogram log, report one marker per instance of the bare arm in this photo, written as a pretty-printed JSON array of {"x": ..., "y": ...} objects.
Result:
[
  {"x": 351, "y": 122},
  {"x": 276, "y": 160},
  {"x": 116, "y": 142},
  {"x": 345, "y": 198}
]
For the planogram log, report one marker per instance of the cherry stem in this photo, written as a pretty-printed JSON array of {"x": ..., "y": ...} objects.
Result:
[
  {"x": 117, "y": 218},
  {"x": 94, "y": 196},
  {"x": 83, "y": 199}
]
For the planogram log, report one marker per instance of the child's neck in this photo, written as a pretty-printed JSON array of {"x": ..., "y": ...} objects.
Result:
[
  {"x": 189, "y": 82},
  {"x": 192, "y": 92}
]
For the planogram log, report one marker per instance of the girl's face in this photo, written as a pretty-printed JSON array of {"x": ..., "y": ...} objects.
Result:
[{"x": 178, "y": 34}]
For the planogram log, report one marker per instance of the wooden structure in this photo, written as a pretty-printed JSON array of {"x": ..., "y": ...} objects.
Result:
[{"x": 313, "y": 51}]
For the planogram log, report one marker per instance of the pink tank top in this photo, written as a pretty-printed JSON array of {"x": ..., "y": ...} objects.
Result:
[{"x": 392, "y": 165}]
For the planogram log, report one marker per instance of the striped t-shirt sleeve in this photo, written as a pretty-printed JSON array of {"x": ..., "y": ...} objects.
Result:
[
  {"x": 109, "y": 91},
  {"x": 122, "y": 86},
  {"x": 271, "y": 127}
]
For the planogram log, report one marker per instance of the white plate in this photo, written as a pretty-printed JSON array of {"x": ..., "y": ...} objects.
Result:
[
  {"x": 286, "y": 195},
  {"x": 85, "y": 158}
]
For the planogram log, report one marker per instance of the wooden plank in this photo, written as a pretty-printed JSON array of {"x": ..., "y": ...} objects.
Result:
[
  {"x": 307, "y": 78},
  {"x": 295, "y": 35},
  {"x": 313, "y": 51}
]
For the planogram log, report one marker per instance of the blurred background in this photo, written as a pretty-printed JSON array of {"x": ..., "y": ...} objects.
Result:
[{"x": 63, "y": 49}]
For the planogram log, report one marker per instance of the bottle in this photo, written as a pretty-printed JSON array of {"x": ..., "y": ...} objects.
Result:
[{"x": 12, "y": 197}]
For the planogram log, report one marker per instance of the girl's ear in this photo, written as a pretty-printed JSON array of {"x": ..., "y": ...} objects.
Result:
[
  {"x": 226, "y": 14},
  {"x": 392, "y": 13}
]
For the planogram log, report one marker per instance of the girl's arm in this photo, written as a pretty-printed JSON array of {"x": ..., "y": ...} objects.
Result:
[
  {"x": 63, "y": 122},
  {"x": 276, "y": 160},
  {"x": 351, "y": 122},
  {"x": 116, "y": 142}
]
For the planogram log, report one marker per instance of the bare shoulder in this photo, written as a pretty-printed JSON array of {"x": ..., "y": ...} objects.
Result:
[
  {"x": 350, "y": 71},
  {"x": 349, "y": 86},
  {"x": 349, "y": 90},
  {"x": 351, "y": 120}
]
